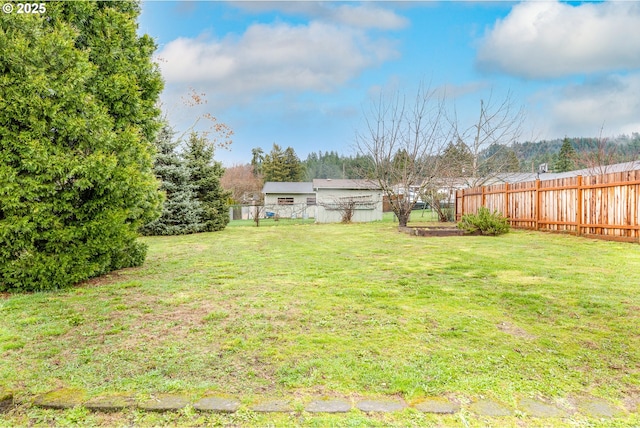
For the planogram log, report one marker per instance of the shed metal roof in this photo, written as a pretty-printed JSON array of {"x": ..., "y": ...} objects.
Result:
[
  {"x": 287, "y": 187},
  {"x": 329, "y": 183}
]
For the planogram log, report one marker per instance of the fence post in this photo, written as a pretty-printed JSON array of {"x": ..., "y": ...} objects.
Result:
[
  {"x": 537, "y": 207},
  {"x": 579, "y": 207},
  {"x": 464, "y": 202},
  {"x": 506, "y": 199},
  {"x": 483, "y": 198}
]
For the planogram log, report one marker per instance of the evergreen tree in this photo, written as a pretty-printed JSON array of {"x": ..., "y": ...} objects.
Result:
[
  {"x": 312, "y": 166},
  {"x": 181, "y": 212},
  {"x": 360, "y": 166},
  {"x": 205, "y": 176},
  {"x": 456, "y": 160},
  {"x": 293, "y": 165},
  {"x": 498, "y": 159},
  {"x": 566, "y": 157},
  {"x": 77, "y": 119},
  {"x": 402, "y": 161},
  {"x": 273, "y": 167},
  {"x": 333, "y": 165},
  {"x": 257, "y": 156},
  {"x": 324, "y": 165},
  {"x": 281, "y": 166},
  {"x": 510, "y": 161}
]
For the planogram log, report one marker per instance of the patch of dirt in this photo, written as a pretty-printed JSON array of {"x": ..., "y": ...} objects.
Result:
[
  {"x": 432, "y": 231},
  {"x": 634, "y": 310},
  {"x": 632, "y": 401},
  {"x": 590, "y": 345},
  {"x": 107, "y": 278},
  {"x": 514, "y": 330}
]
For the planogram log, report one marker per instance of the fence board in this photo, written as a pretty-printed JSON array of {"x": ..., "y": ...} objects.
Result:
[{"x": 605, "y": 206}]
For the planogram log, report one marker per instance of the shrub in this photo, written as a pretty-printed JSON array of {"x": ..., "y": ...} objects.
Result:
[
  {"x": 78, "y": 92},
  {"x": 484, "y": 221}
]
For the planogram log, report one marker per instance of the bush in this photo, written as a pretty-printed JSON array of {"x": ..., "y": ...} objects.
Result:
[
  {"x": 76, "y": 131},
  {"x": 484, "y": 221}
]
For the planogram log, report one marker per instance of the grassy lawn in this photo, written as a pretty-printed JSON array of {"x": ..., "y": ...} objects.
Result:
[{"x": 298, "y": 310}]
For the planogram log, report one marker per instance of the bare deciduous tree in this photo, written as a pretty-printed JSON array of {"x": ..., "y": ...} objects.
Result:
[
  {"x": 440, "y": 201},
  {"x": 499, "y": 125},
  {"x": 454, "y": 162},
  {"x": 601, "y": 155},
  {"x": 244, "y": 185},
  {"x": 257, "y": 211},
  {"x": 217, "y": 133},
  {"x": 347, "y": 206},
  {"x": 406, "y": 144},
  {"x": 403, "y": 140}
]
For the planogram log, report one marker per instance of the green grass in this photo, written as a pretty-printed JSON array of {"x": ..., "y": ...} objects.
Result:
[{"x": 302, "y": 310}]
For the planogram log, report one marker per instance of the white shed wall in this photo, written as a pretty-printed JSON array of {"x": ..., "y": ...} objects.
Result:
[
  {"x": 299, "y": 209},
  {"x": 329, "y": 196}
]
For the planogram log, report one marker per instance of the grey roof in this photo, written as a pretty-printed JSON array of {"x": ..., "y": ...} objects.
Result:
[
  {"x": 518, "y": 177},
  {"x": 328, "y": 183},
  {"x": 605, "y": 169},
  {"x": 287, "y": 187}
]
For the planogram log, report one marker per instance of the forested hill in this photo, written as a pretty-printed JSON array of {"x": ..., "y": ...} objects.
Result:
[
  {"x": 619, "y": 149},
  {"x": 333, "y": 165},
  {"x": 530, "y": 155}
]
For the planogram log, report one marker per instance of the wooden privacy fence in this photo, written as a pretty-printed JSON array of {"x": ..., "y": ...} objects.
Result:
[{"x": 600, "y": 206}]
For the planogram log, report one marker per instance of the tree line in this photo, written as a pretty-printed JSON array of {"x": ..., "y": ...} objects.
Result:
[
  {"x": 244, "y": 182},
  {"x": 569, "y": 153}
]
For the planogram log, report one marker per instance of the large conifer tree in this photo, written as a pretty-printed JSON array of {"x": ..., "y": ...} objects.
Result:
[
  {"x": 77, "y": 117},
  {"x": 182, "y": 213},
  {"x": 205, "y": 176},
  {"x": 566, "y": 157},
  {"x": 281, "y": 166}
]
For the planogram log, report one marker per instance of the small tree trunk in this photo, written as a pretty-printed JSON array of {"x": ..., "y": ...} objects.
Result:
[
  {"x": 403, "y": 218},
  {"x": 256, "y": 215}
]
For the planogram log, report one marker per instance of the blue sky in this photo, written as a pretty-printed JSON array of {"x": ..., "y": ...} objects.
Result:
[{"x": 302, "y": 73}]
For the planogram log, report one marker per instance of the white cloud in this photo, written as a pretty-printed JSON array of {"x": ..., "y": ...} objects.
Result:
[
  {"x": 366, "y": 15},
  {"x": 546, "y": 39},
  {"x": 610, "y": 103},
  {"x": 272, "y": 58}
]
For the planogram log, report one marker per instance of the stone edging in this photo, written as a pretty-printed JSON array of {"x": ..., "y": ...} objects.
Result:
[
  {"x": 432, "y": 231},
  {"x": 69, "y": 398}
]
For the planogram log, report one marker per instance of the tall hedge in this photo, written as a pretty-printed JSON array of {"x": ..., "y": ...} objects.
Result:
[{"x": 78, "y": 92}]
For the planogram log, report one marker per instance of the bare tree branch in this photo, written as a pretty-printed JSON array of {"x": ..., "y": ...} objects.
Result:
[
  {"x": 347, "y": 205},
  {"x": 600, "y": 157},
  {"x": 499, "y": 125},
  {"x": 404, "y": 140},
  {"x": 244, "y": 184}
]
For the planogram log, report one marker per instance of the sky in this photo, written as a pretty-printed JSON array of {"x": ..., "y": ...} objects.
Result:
[{"x": 305, "y": 74}]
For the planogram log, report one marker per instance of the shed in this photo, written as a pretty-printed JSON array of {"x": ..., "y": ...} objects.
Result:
[
  {"x": 289, "y": 199},
  {"x": 332, "y": 196}
]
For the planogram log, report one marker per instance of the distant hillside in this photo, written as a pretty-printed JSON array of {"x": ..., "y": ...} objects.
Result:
[{"x": 531, "y": 154}]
